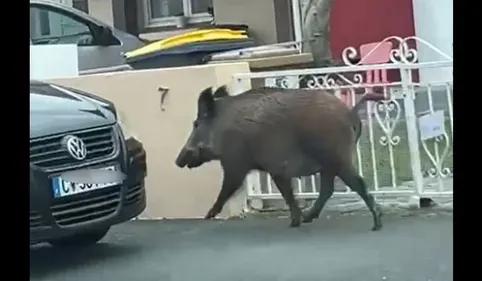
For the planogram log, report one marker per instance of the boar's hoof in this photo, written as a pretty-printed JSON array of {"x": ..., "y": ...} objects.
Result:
[
  {"x": 295, "y": 222},
  {"x": 211, "y": 214},
  {"x": 377, "y": 227},
  {"x": 377, "y": 218},
  {"x": 208, "y": 216},
  {"x": 377, "y": 223},
  {"x": 308, "y": 217}
]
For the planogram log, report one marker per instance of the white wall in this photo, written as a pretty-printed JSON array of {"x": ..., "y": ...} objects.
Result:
[
  {"x": 53, "y": 61},
  {"x": 434, "y": 23}
]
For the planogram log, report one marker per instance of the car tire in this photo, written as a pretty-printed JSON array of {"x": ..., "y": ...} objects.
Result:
[{"x": 81, "y": 239}]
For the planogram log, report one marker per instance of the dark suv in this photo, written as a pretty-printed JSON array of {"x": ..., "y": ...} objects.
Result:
[{"x": 72, "y": 213}]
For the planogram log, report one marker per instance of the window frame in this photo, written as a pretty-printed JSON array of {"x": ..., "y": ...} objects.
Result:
[
  {"x": 61, "y": 12},
  {"x": 172, "y": 21},
  {"x": 66, "y": 13}
]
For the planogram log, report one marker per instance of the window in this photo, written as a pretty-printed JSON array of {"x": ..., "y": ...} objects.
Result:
[
  {"x": 168, "y": 12},
  {"x": 51, "y": 27}
]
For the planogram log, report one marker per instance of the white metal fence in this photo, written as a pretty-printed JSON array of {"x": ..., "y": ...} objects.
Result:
[{"x": 406, "y": 144}]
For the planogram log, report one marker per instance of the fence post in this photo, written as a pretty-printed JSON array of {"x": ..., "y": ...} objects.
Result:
[{"x": 412, "y": 132}]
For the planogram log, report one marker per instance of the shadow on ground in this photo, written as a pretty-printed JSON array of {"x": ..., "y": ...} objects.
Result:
[{"x": 46, "y": 260}]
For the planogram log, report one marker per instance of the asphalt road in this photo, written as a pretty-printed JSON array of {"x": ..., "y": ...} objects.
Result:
[{"x": 412, "y": 248}]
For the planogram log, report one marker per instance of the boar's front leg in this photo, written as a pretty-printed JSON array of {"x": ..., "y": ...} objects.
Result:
[
  {"x": 232, "y": 181},
  {"x": 284, "y": 186}
]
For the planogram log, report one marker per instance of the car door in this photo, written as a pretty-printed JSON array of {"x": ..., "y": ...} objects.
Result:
[{"x": 51, "y": 24}]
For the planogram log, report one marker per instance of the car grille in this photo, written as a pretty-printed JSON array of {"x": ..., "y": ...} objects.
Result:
[
  {"x": 86, "y": 207},
  {"x": 48, "y": 152},
  {"x": 35, "y": 220},
  {"x": 133, "y": 194}
]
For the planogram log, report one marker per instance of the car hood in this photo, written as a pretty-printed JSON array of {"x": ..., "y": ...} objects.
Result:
[{"x": 55, "y": 109}]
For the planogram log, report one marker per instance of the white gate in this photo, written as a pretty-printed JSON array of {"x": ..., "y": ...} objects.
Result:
[{"x": 405, "y": 149}]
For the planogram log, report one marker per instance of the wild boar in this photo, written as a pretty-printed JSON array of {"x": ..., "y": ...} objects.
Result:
[{"x": 287, "y": 133}]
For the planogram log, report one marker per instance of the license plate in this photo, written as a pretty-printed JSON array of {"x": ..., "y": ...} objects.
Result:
[{"x": 63, "y": 188}]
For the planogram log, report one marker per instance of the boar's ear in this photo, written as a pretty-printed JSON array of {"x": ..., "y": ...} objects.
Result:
[
  {"x": 205, "y": 103},
  {"x": 221, "y": 92}
]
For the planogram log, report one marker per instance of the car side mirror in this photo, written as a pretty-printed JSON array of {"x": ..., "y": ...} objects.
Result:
[{"x": 105, "y": 37}]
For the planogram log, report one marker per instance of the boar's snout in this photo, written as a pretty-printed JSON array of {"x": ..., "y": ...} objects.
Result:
[
  {"x": 183, "y": 157},
  {"x": 190, "y": 158}
]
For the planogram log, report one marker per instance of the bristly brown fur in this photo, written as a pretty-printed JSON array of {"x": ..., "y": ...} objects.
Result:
[
  {"x": 221, "y": 92},
  {"x": 206, "y": 103}
]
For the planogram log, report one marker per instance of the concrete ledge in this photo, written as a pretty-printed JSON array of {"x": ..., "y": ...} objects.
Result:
[{"x": 273, "y": 62}]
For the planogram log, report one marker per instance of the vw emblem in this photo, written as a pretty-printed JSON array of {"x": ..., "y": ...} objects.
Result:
[{"x": 75, "y": 146}]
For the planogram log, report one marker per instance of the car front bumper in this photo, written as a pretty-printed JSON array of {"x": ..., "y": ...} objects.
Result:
[{"x": 52, "y": 218}]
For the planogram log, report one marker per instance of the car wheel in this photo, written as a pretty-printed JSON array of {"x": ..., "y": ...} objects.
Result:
[{"x": 81, "y": 239}]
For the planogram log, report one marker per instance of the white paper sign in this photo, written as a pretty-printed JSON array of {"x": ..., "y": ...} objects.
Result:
[{"x": 432, "y": 125}]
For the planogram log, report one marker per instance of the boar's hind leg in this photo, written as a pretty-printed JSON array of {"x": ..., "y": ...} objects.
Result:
[
  {"x": 357, "y": 184},
  {"x": 327, "y": 187},
  {"x": 284, "y": 186},
  {"x": 232, "y": 181}
]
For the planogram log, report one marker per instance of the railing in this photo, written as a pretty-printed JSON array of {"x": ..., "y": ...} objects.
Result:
[{"x": 406, "y": 144}]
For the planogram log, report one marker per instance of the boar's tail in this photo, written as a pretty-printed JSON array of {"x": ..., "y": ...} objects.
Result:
[
  {"x": 367, "y": 97},
  {"x": 354, "y": 111}
]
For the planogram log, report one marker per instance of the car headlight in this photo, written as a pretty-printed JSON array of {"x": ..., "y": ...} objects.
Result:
[
  {"x": 135, "y": 149},
  {"x": 121, "y": 120}
]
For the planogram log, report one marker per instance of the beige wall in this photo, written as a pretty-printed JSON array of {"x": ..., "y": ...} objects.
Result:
[
  {"x": 171, "y": 192},
  {"x": 102, "y": 10}
]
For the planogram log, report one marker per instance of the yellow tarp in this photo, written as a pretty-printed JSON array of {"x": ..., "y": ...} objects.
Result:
[{"x": 189, "y": 37}]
